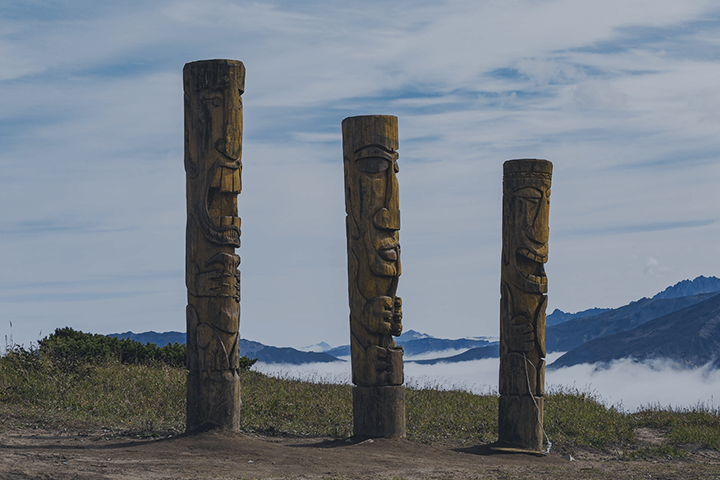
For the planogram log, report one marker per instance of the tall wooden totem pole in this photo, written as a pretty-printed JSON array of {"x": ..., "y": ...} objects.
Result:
[
  {"x": 373, "y": 220},
  {"x": 213, "y": 146},
  {"x": 526, "y": 204}
]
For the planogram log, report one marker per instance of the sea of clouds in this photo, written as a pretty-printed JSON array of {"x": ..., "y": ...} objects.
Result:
[{"x": 624, "y": 384}]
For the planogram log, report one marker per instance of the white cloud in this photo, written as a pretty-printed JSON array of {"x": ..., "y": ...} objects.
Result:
[
  {"x": 653, "y": 267},
  {"x": 598, "y": 95},
  {"x": 618, "y": 95},
  {"x": 625, "y": 384},
  {"x": 634, "y": 385}
]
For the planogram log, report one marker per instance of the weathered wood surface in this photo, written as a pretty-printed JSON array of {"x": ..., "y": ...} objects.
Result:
[
  {"x": 370, "y": 157},
  {"x": 526, "y": 203},
  {"x": 379, "y": 411},
  {"x": 213, "y": 147}
]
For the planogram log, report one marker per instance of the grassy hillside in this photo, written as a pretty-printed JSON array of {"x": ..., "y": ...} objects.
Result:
[{"x": 148, "y": 399}]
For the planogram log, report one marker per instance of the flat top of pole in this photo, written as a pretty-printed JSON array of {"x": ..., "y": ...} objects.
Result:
[
  {"x": 370, "y": 130},
  {"x": 370, "y": 119},
  {"x": 216, "y": 60},
  {"x": 527, "y": 165},
  {"x": 217, "y": 73},
  {"x": 369, "y": 116}
]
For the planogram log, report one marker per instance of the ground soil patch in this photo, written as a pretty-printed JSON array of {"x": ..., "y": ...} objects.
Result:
[{"x": 44, "y": 454}]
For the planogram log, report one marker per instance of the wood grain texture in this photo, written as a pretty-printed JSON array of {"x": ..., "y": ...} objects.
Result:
[
  {"x": 373, "y": 222},
  {"x": 526, "y": 204},
  {"x": 213, "y": 148}
]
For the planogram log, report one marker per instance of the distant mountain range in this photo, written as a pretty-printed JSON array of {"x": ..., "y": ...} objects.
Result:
[
  {"x": 573, "y": 333},
  {"x": 264, "y": 353},
  {"x": 318, "y": 347},
  {"x": 416, "y": 343},
  {"x": 691, "y": 287},
  {"x": 681, "y": 323},
  {"x": 477, "y": 353},
  {"x": 690, "y": 337},
  {"x": 558, "y": 316}
]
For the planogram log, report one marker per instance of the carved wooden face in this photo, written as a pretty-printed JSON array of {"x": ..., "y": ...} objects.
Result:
[
  {"x": 526, "y": 203},
  {"x": 375, "y": 209},
  {"x": 213, "y": 161}
]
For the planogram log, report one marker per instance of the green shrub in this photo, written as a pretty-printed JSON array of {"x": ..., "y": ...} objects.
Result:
[
  {"x": 69, "y": 348},
  {"x": 246, "y": 362}
]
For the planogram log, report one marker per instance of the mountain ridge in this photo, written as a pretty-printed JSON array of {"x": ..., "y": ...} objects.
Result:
[
  {"x": 689, "y": 336},
  {"x": 417, "y": 343},
  {"x": 573, "y": 333},
  {"x": 558, "y": 316},
  {"x": 565, "y": 332},
  {"x": 264, "y": 353},
  {"x": 684, "y": 288}
]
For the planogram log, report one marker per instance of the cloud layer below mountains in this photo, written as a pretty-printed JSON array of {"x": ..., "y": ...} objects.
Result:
[{"x": 624, "y": 384}]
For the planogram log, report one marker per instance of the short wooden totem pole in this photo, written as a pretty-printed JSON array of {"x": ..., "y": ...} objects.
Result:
[
  {"x": 526, "y": 203},
  {"x": 213, "y": 146},
  {"x": 373, "y": 220}
]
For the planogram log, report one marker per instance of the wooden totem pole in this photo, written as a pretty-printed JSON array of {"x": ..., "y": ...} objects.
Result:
[
  {"x": 526, "y": 203},
  {"x": 373, "y": 220},
  {"x": 213, "y": 146}
]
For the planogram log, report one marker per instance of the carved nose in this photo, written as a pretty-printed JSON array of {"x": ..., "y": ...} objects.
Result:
[
  {"x": 387, "y": 220},
  {"x": 538, "y": 230},
  {"x": 539, "y": 234}
]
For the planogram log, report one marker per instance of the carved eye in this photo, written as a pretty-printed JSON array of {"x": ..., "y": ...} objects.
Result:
[
  {"x": 373, "y": 164},
  {"x": 217, "y": 102},
  {"x": 532, "y": 195}
]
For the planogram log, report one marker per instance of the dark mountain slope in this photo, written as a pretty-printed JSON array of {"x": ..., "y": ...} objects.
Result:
[
  {"x": 263, "y": 353},
  {"x": 159, "y": 339},
  {"x": 416, "y": 343},
  {"x": 490, "y": 351},
  {"x": 573, "y": 333},
  {"x": 700, "y": 285},
  {"x": 690, "y": 336},
  {"x": 558, "y": 316}
]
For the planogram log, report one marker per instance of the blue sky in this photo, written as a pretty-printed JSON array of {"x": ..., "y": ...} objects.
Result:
[{"x": 622, "y": 97}]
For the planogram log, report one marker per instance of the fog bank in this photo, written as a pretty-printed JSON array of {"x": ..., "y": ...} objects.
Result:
[{"x": 624, "y": 384}]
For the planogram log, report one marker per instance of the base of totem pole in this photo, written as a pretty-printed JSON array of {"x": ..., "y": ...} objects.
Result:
[
  {"x": 213, "y": 403},
  {"x": 519, "y": 429},
  {"x": 379, "y": 411}
]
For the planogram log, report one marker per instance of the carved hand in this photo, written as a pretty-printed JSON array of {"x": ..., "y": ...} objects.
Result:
[
  {"x": 215, "y": 283},
  {"x": 379, "y": 312},
  {"x": 397, "y": 317},
  {"x": 521, "y": 335}
]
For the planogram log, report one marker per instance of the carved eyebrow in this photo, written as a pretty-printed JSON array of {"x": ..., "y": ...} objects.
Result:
[{"x": 375, "y": 145}]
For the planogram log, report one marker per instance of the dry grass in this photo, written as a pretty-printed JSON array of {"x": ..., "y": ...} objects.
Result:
[{"x": 149, "y": 400}]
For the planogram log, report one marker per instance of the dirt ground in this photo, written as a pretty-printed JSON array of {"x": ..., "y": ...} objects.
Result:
[{"x": 44, "y": 454}]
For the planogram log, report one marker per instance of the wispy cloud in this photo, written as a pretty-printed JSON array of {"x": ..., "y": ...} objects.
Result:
[
  {"x": 621, "y": 98},
  {"x": 650, "y": 227}
]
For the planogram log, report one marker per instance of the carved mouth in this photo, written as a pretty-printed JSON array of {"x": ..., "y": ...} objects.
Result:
[
  {"x": 530, "y": 265},
  {"x": 222, "y": 197},
  {"x": 389, "y": 252},
  {"x": 220, "y": 222}
]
